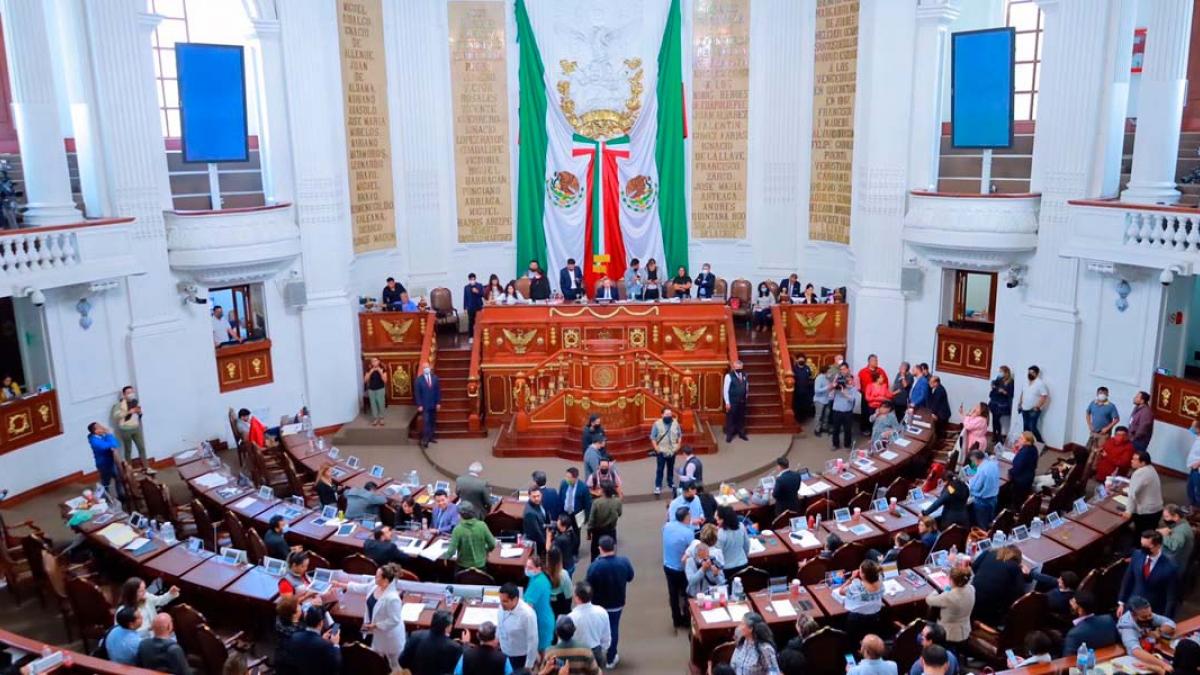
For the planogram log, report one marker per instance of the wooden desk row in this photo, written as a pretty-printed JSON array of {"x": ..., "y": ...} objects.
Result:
[{"x": 80, "y": 662}]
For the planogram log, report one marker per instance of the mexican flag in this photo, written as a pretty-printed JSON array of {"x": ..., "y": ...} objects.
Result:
[{"x": 602, "y": 128}]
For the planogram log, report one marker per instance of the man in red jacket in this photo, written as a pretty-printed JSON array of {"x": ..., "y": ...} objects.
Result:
[
  {"x": 1116, "y": 455},
  {"x": 865, "y": 377}
]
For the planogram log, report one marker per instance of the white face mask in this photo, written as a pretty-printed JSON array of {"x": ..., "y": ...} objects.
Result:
[{"x": 1101, "y": 397}]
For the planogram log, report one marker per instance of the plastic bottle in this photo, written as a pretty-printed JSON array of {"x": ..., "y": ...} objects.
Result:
[
  {"x": 413, "y": 478},
  {"x": 1081, "y": 657},
  {"x": 168, "y": 533},
  {"x": 737, "y": 588},
  {"x": 1035, "y": 528},
  {"x": 908, "y": 417}
]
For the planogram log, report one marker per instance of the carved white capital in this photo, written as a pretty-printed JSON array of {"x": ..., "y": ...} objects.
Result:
[{"x": 940, "y": 12}]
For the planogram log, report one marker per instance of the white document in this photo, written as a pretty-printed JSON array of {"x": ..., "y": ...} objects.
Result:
[
  {"x": 718, "y": 615},
  {"x": 892, "y": 587},
  {"x": 76, "y": 503},
  {"x": 244, "y": 502},
  {"x": 412, "y": 546},
  {"x": 726, "y": 500},
  {"x": 805, "y": 539},
  {"x": 921, "y": 423},
  {"x": 756, "y": 546},
  {"x": 889, "y": 455},
  {"x": 783, "y": 608},
  {"x": 410, "y": 612},
  {"x": 738, "y": 610},
  {"x": 476, "y": 615},
  {"x": 899, "y": 443},
  {"x": 291, "y": 429},
  {"x": 435, "y": 550},
  {"x": 1008, "y": 455},
  {"x": 136, "y": 544},
  {"x": 507, "y": 551},
  {"x": 212, "y": 480},
  {"x": 118, "y": 534},
  {"x": 816, "y": 488},
  {"x": 1122, "y": 500}
]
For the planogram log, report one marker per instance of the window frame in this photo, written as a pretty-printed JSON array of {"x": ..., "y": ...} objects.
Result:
[
  {"x": 245, "y": 298},
  {"x": 959, "y": 313},
  {"x": 1030, "y": 113},
  {"x": 163, "y": 82}
]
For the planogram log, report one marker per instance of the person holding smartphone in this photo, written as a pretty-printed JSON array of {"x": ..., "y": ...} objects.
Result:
[{"x": 314, "y": 652}]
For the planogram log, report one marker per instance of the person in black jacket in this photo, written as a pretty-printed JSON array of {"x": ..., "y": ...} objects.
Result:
[
  {"x": 1024, "y": 467},
  {"x": 802, "y": 390},
  {"x": 326, "y": 491},
  {"x": 410, "y": 514},
  {"x": 787, "y": 489},
  {"x": 277, "y": 546},
  {"x": 288, "y": 622},
  {"x": 592, "y": 431},
  {"x": 953, "y": 503},
  {"x": 1000, "y": 400},
  {"x": 314, "y": 653},
  {"x": 472, "y": 302},
  {"x": 486, "y": 657},
  {"x": 382, "y": 549},
  {"x": 160, "y": 651},
  {"x": 539, "y": 287},
  {"x": 535, "y": 521},
  {"x": 432, "y": 652},
  {"x": 998, "y": 582},
  {"x": 939, "y": 405}
]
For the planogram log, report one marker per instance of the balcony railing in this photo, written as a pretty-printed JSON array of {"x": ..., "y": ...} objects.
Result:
[
  {"x": 63, "y": 255},
  {"x": 232, "y": 245},
  {"x": 972, "y": 231},
  {"x": 1141, "y": 235}
]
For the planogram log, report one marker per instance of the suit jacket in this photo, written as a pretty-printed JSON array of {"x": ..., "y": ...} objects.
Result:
[
  {"x": 583, "y": 498},
  {"x": 997, "y": 585},
  {"x": 1024, "y": 466},
  {"x": 1158, "y": 588},
  {"x": 793, "y": 290},
  {"x": 953, "y": 504},
  {"x": 939, "y": 403},
  {"x": 313, "y": 654},
  {"x": 564, "y": 283},
  {"x": 163, "y": 655},
  {"x": 277, "y": 546},
  {"x": 533, "y": 525},
  {"x": 552, "y": 503},
  {"x": 383, "y": 552},
  {"x": 475, "y": 491},
  {"x": 1097, "y": 631},
  {"x": 610, "y": 294},
  {"x": 956, "y": 605},
  {"x": 786, "y": 492},
  {"x": 428, "y": 654},
  {"x": 705, "y": 284},
  {"x": 473, "y": 300},
  {"x": 429, "y": 394}
]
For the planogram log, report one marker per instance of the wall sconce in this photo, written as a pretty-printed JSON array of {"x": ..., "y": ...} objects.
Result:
[
  {"x": 1123, "y": 291},
  {"x": 85, "y": 309}
]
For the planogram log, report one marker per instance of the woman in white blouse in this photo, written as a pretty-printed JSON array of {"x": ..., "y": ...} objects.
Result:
[
  {"x": 511, "y": 295},
  {"x": 133, "y": 594},
  {"x": 383, "y": 615},
  {"x": 862, "y": 596}
]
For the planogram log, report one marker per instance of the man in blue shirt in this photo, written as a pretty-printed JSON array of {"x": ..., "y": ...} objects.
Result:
[
  {"x": 919, "y": 396},
  {"x": 1101, "y": 416},
  {"x": 677, "y": 535},
  {"x": 104, "y": 444},
  {"x": 122, "y": 640},
  {"x": 609, "y": 575},
  {"x": 688, "y": 500},
  {"x": 985, "y": 485},
  {"x": 843, "y": 395},
  {"x": 873, "y": 650}
]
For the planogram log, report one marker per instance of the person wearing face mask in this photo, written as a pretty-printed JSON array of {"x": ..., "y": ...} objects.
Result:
[
  {"x": 1178, "y": 538},
  {"x": 606, "y": 476},
  {"x": 666, "y": 437},
  {"x": 1140, "y": 630},
  {"x": 1150, "y": 575},
  {"x": 1116, "y": 455},
  {"x": 735, "y": 390},
  {"x": 429, "y": 401},
  {"x": 277, "y": 546},
  {"x": 1101, "y": 416},
  {"x": 705, "y": 282},
  {"x": 535, "y": 521},
  {"x": 1097, "y": 630},
  {"x": 127, "y": 421},
  {"x": 537, "y": 594},
  {"x": 1193, "y": 464},
  {"x": 1000, "y": 402},
  {"x": 633, "y": 280},
  {"x": 1034, "y": 398},
  {"x": 539, "y": 286},
  {"x": 702, "y": 570}
]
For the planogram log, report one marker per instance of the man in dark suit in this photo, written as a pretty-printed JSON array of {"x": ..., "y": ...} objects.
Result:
[
  {"x": 1097, "y": 631},
  {"x": 791, "y": 286},
  {"x": 535, "y": 520},
  {"x": 277, "y": 546},
  {"x": 735, "y": 391},
  {"x": 939, "y": 405},
  {"x": 570, "y": 281},
  {"x": 787, "y": 489},
  {"x": 432, "y": 652},
  {"x": 550, "y": 499},
  {"x": 429, "y": 401},
  {"x": 1150, "y": 575},
  {"x": 472, "y": 302},
  {"x": 607, "y": 292},
  {"x": 705, "y": 282},
  {"x": 575, "y": 499},
  {"x": 1059, "y": 590},
  {"x": 311, "y": 652},
  {"x": 381, "y": 548}
]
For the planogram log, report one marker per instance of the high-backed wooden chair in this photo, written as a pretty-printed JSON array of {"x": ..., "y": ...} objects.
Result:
[
  {"x": 256, "y": 548},
  {"x": 297, "y": 486},
  {"x": 953, "y": 536},
  {"x": 862, "y": 500},
  {"x": 474, "y": 577},
  {"x": 56, "y": 581},
  {"x": 208, "y": 531},
  {"x": 266, "y": 468},
  {"x": 1027, "y": 614},
  {"x": 237, "y": 533},
  {"x": 17, "y": 574},
  {"x": 722, "y": 653},
  {"x": 622, "y": 291},
  {"x": 742, "y": 290},
  {"x": 92, "y": 609},
  {"x": 214, "y": 652},
  {"x": 912, "y": 554},
  {"x": 753, "y": 579},
  {"x": 358, "y": 658},
  {"x": 442, "y": 303},
  {"x": 155, "y": 506},
  {"x": 773, "y": 286},
  {"x": 898, "y": 489},
  {"x": 188, "y": 620},
  {"x": 812, "y": 571},
  {"x": 720, "y": 288},
  {"x": 1031, "y": 508},
  {"x": 1110, "y": 585},
  {"x": 1003, "y": 522},
  {"x": 905, "y": 650},
  {"x": 848, "y": 556},
  {"x": 237, "y": 438},
  {"x": 316, "y": 560},
  {"x": 820, "y": 507},
  {"x": 358, "y": 563},
  {"x": 127, "y": 486},
  {"x": 784, "y": 519},
  {"x": 179, "y": 516},
  {"x": 825, "y": 651}
]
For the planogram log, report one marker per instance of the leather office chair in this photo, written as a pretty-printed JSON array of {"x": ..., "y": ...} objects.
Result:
[
  {"x": 742, "y": 290},
  {"x": 442, "y": 303}
]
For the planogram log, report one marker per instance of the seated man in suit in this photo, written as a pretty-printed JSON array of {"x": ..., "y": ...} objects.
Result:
[
  {"x": 1151, "y": 575},
  {"x": 705, "y": 282},
  {"x": 381, "y": 549},
  {"x": 313, "y": 652},
  {"x": 445, "y": 513},
  {"x": 570, "y": 281},
  {"x": 607, "y": 292},
  {"x": 1096, "y": 631},
  {"x": 1061, "y": 590}
]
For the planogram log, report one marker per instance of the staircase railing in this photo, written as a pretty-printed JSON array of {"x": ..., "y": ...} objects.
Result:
[
  {"x": 474, "y": 390},
  {"x": 782, "y": 357},
  {"x": 429, "y": 341}
]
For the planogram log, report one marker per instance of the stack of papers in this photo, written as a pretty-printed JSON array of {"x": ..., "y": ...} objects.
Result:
[
  {"x": 118, "y": 534},
  {"x": 738, "y": 610},
  {"x": 1007, "y": 455},
  {"x": 136, "y": 544},
  {"x": 212, "y": 480},
  {"x": 899, "y": 443},
  {"x": 291, "y": 429},
  {"x": 476, "y": 615},
  {"x": 411, "y": 546},
  {"x": 1122, "y": 500},
  {"x": 511, "y": 551},
  {"x": 783, "y": 608},
  {"x": 76, "y": 503},
  {"x": 756, "y": 546},
  {"x": 921, "y": 423},
  {"x": 244, "y": 502},
  {"x": 816, "y": 488},
  {"x": 892, "y": 587},
  {"x": 805, "y": 539},
  {"x": 410, "y": 612},
  {"x": 717, "y": 615},
  {"x": 889, "y": 455},
  {"x": 726, "y": 500},
  {"x": 435, "y": 550}
]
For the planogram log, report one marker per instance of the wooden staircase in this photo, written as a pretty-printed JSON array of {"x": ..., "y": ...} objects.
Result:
[
  {"x": 452, "y": 365},
  {"x": 623, "y": 444},
  {"x": 764, "y": 412}
]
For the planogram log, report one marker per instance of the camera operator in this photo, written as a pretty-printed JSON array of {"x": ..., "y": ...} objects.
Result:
[{"x": 843, "y": 394}]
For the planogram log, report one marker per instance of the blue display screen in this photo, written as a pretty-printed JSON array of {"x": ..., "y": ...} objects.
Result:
[
  {"x": 981, "y": 101},
  {"x": 212, "y": 102}
]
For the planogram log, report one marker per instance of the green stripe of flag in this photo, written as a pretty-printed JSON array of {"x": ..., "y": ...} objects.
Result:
[
  {"x": 531, "y": 167},
  {"x": 668, "y": 146}
]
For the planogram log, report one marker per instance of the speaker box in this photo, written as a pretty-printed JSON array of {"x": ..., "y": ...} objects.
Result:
[
  {"x": 912, "y": 279},
  {"x": 295, "y": 294}
]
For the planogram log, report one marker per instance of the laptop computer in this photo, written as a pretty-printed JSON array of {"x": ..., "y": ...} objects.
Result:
[
  {"x": 805, "y": 474},
  {"x": 890, "y": 570},
  {"x": 940, "y": 558},
  {"x": 799, "y": 523},
  {"x": 1081, "y": 506},
  {"x": 328, "y": 513},
  {"x": 841, "y": 515},
  {"x": 352, "y": 462},
  {"x": 322, "y": 580},
  {"x": 274, "y": 566},
  {"x": 777, "y": 585},
  {"x": 376, "y": 471}
]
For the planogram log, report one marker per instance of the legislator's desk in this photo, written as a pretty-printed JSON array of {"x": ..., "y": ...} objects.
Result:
[
  {"x": 869, "y": 535},
  {"x": 891, "y": 522},
  {"x": 176, "y": 562},
  {"x": 292, "y": 514},
  {"x": 251, "y": 505},
  {"x": 706, "y": 633},
  {"x": 1103, "y": 521},
  {"x": 824, "y": 595},
  {"x": 781, "y": 609},
  {"x": 1044, "y": 551},
  {"x": 213, "y": 575},
  {"x": 25, "y": 649},
  {"x": 197, "y": 468},
  {"x": 769, "y": 552},
  {"x": 800, "y": 551},
  {"x": 908, "y": 602},
  {"x": 1078, "y": 537},
  {"x": 507, "y": 562}
]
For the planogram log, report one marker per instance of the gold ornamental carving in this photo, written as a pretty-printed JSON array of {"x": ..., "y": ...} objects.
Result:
[
  {"x": 396, "y": 331},
  {"x": 1190, "y": 405},
  {"x": 19, "y": 425},
  {"x": 688, "y": 337},
  {"x": 571, "y": 338},
  {"x": 951, "y": 351},
  {"x": 637, "y": 338},
  {"x": 613, "y": 312},
  {"x": 977, "y": 355},
  {"x": 256, "y": 365},
  {"x": 230, "y": 370},
  {"x": 603, "y": 124},
  {"x": 44, "y": 412},
  {"x": 1164, "y": 398},
  {"x": 519, "y": 339},
  {"x": 604, "y": 376},
  {"x": 401, "y": 382},
  {"x": 810, "y": 322}
]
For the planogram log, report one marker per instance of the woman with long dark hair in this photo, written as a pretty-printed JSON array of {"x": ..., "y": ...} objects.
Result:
[{"x": 755, "y": 650}]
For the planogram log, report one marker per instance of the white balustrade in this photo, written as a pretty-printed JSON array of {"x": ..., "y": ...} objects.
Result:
[
  {"x": 1124, "y": 233},
  {"x": 1155, "y": 230},
  {"x": 57, "y": 256},
  {"x": 31, "y": 251},
  {"x": 969, "y": 231}
]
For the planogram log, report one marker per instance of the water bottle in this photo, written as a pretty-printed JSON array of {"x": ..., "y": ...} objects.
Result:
[
  {"x": 1091, "y": 659},
  {"x": 168, "y": 533},
  {"x": 954, "y": 554},
  {"x": 737, "y": 588},
  {"x": 1081, "y": 658},
  {"x": 1035, "y": 528},
  {"x": 908, "y": 417},
  {"x": 152, "y": 529},
  {"x": 413, "y": 478}
]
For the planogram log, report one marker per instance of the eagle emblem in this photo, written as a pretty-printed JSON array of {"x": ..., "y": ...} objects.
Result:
[
  {"x": 396, "y": 331},
  {"x": 808, "y": 323},
  {"x": 520, "y": 340},
  {"x": 688, "y": 337}
]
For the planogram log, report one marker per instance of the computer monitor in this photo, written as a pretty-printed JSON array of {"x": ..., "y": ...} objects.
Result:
[
  {"x": 334, "y": 452},
  {"x": 1053, "y": 520},
  {"x": 377, "y": 471},
  {"x": 352, "y": 462},
  {"x": 940, "y": 558},
  {"x": 442, "y": 485},
  {"x": 265, "y": 493},
  {"x": 805, "y": 474},
  {"x": 230, "y": 555},
  {"x": 346, "y": 529},
  {"x": 799, "y": 523},
  {"x": 916, "y": 495},
  {"x": 890, "y": 570},
  {"x": 841, "y": 515}
]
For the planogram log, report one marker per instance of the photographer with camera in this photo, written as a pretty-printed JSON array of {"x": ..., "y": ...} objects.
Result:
[
  {"x": 843, "y": 396},
  {"x": 127, "y": 420}
]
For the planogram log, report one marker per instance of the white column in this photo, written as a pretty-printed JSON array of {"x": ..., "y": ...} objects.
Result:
[
  {"x": 929, "y": 76},
  {"x": 35, "y": 113},
  {"x": 274, "y": 146},
  {"x": 129, "y": 138},
  {"x": 1160, "y": 103}
]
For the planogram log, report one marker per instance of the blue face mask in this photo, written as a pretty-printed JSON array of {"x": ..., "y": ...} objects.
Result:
[
  {"x": 1194, "y": 431},
  {"x": 530, "y": 574}
]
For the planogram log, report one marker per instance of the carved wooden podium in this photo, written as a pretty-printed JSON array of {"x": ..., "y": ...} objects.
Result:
[{"x": 539, "y": 371}]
